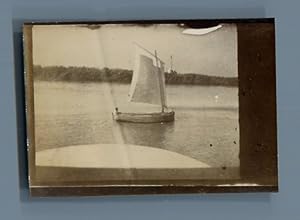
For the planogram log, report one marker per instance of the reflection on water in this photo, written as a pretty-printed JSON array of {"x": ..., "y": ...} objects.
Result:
[{"x": 205, "y": 126}]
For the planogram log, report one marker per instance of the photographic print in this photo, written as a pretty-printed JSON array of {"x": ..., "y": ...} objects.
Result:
[{"x": 150, "y": 107}]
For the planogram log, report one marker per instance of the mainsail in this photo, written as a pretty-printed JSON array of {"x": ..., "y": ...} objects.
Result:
[{"x": 148, "y": 81}]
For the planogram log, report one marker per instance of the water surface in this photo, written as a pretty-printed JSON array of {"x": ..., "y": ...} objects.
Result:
[{"x": 205, "y": 126}]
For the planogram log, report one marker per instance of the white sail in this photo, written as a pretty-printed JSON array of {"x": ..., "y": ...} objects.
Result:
[{"x": 148, "y": 81}]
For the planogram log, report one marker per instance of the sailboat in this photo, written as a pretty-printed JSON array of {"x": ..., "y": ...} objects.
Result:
[{"x": 147, "y": 86}]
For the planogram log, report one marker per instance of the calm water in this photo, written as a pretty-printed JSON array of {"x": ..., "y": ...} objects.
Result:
[{"x": 205, "y": 127}]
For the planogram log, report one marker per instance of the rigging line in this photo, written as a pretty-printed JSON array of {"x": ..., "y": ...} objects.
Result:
[
  {"x": 148, "y": 52},
  {"x": 160, "y": 83}
]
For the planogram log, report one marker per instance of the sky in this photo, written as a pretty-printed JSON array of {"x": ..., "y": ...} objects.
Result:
[{"x": 112, "y": 46}]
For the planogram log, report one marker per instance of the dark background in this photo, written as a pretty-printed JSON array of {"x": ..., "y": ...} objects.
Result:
[{"x": 15, "y": 203}]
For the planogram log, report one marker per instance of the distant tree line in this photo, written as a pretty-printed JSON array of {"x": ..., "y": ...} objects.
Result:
[{"x": 87, "y": 74}]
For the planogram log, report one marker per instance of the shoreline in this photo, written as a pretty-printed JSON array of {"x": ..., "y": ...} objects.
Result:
[{"x": 123, "y": 76}]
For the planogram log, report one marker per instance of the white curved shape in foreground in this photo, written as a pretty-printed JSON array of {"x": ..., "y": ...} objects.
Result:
[
  {"x": 114, "y": 156},
  {"x": 201, "y": 31}
]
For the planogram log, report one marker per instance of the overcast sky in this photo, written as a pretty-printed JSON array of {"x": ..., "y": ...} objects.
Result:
[{"x": 111, "y": 46}]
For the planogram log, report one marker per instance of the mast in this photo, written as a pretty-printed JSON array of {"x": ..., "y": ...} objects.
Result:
[
  {"x": 160, "y": 83},
  {"x": 171, "y": 64}
]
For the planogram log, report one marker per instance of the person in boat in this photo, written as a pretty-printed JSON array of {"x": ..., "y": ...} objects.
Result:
[{"x": 116, "y": 110}]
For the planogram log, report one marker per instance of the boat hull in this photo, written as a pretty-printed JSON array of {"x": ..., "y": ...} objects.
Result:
[{"x": 157, "y": 117}]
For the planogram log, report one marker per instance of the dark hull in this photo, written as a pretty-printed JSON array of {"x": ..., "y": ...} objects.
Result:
[{"x": 144, "y": 117}]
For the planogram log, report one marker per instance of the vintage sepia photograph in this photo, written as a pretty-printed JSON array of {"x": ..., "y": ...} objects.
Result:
[{"x": 149, "y": 107}]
